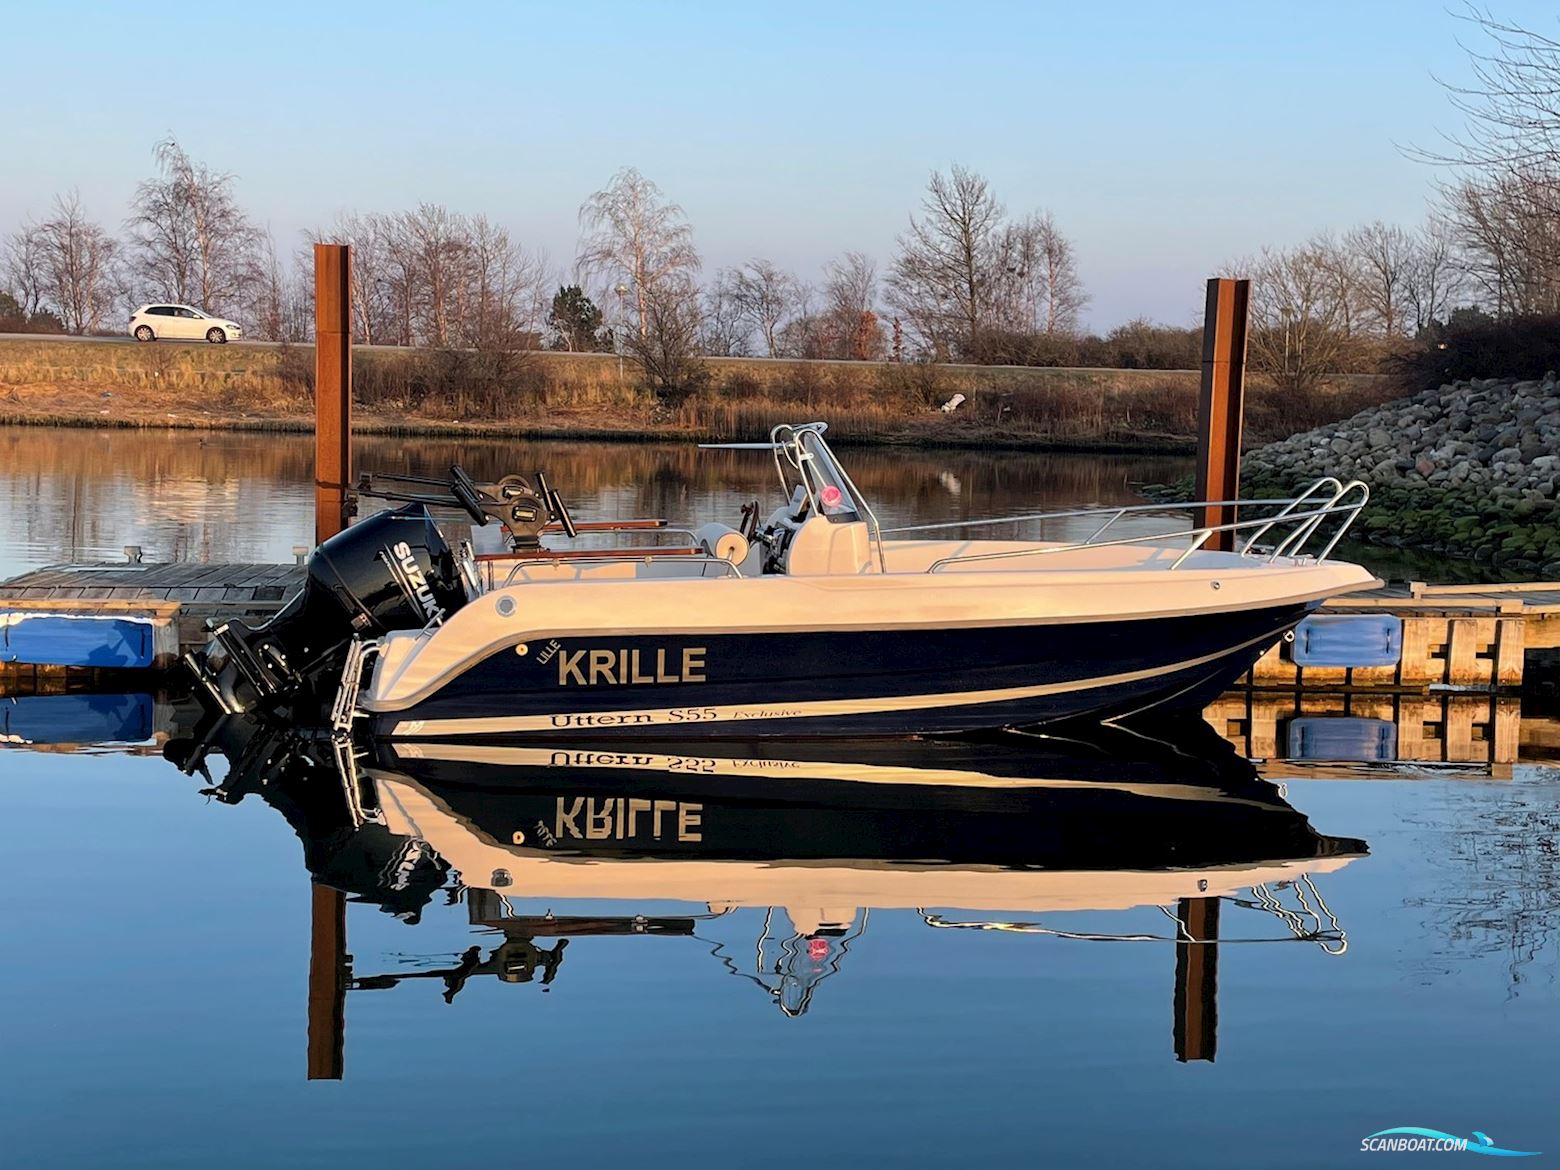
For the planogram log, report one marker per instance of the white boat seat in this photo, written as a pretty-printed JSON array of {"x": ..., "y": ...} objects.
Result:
[{"x": 822, "y": 545}]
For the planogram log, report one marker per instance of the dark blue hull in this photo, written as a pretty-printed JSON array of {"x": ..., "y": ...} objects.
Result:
[
  {"x": 863, "y": 682},
  {"x": 1101, "y": 801}
]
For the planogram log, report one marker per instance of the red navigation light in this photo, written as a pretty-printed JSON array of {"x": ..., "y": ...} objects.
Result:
[{"x": 831, "y": 497}]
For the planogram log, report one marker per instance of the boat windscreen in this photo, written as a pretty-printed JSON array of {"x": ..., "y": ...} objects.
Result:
[{"x": 814, "y": 466}]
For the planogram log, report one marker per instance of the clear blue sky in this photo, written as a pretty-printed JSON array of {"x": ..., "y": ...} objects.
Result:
[{"x": 1164, "y": 137}]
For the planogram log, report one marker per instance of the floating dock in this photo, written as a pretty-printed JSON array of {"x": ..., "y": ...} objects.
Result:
[
  {"x": 68, "y": 624},
  {"x": 1419, "y": 637},
  {"x": 1428, "y": 727}
]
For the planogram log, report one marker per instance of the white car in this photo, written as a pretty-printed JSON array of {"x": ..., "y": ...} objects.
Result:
[{"x": 151, "y": 322}]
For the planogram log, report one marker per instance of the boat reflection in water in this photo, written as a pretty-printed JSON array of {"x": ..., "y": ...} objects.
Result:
[{"x": 774, "y": 854}]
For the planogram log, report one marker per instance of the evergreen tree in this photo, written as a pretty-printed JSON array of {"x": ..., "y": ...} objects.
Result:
[{"x": 576, "y": 322}]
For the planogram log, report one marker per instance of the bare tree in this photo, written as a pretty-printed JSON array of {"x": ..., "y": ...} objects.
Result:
[
  {"x": 1019, "y": 270},
  {"x": 1434, "y": 279},
  {"x": 1300, "y": 329},
  {"x": 374, "y": 301},
  {"x": 402, "y": 279},
  {"x": 965, "y": 276},
  {"x": 851, "y": 328},
  {"x": 725, "y": 330},
  {"x": 802, "y": 336},
  {"x": 1504, "y": 203},
  {"x": 765, "y": 295},
  {"x": 268, "y": 296},
  {"x": 432, "y": 240},
  {"x": 1064, "y": 293},
  {"x": 635, "y": 237},
  {"x": 1342, "y": 269},
  {"x": 942, "y": 279},
  {"x": 435, "y": 277},
  {"x": 69, "y": 265},
  {"x": 1511, "y": 109},
  {"x": 1383, "y": 258},
  {"x": 1509, "y": 241},
  {"x": 24, "y": 269},
  {"x": 384, "y": 280},
  {"x": 1385, "y": 281},
  {"x": 190, "y": 240},
  {"x": 501, "y": 299},
  {"x": 1034, "y": 278},
  {"x": 667, "y": 348}
]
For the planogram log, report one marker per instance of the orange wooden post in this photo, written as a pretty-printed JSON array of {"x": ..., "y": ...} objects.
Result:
[
  {"x": 1197, "y": 979},
  {"x": 1222, "y": 403},
  {"x": 327, "y": 985},
  {"x": 332, "y": 387},
  {"x": 332, "y": 473}
]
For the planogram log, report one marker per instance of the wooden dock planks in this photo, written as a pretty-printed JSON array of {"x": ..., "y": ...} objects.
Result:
[
  {"x": 187, "y": 595},
  {"x": 1538, "y": 602},
  {"x": 1428, "y": 728},
  {"x": 1470, "y": 637},
  {"x": 263, "y": 584}
]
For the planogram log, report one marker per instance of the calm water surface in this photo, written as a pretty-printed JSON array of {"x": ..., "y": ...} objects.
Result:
[
  {"x": 764, "y": 965},
  {"x": 84, "y": 495}
]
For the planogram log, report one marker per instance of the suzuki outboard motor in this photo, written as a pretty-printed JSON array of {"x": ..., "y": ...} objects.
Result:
[{"x": 392, "y": 571}]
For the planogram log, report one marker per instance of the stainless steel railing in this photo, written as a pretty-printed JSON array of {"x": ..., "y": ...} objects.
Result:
[
  {"x": 727, "y": 567},
  {"x": 1345, "y": 501}
]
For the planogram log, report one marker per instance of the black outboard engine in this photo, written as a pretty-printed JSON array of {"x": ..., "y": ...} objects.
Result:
[{"x": 392, "y": 571}]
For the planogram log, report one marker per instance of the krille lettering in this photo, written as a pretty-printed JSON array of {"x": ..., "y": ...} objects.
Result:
[
  {"x": 626, "y": 818},
  {"x": 625, "y": 667}
]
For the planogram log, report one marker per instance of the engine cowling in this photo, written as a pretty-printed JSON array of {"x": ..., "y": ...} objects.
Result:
[{"x": 392, "y": 571}]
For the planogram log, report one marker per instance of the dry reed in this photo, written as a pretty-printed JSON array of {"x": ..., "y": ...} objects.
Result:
[{"x": 589, "y": 394}]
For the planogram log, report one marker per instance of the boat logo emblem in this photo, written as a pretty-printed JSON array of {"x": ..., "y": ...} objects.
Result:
[{"x": 412, "y": 581}]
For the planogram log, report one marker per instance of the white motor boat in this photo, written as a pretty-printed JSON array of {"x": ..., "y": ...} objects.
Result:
[{"x": 814, "y": 621}]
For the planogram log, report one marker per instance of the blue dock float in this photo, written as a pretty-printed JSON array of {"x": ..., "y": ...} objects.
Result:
[
  {"x": 129, "y": 642},
  {"x": 85, "y": 718},
  {"x": 71, "y": 620}
]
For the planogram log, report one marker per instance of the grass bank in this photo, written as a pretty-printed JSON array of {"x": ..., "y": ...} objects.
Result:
[{"x": 585, "y": 396}]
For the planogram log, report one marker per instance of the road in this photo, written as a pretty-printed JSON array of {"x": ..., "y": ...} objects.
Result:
[{"x": 126, "y": 340}]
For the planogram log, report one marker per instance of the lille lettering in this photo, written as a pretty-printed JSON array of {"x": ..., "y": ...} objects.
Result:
[{"x": 627, "y": 668}]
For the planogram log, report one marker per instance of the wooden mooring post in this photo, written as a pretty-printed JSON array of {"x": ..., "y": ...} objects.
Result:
[
  {"x": 1221, "y": 408},
  {"x": 332, "y": 473},
  {"x": 327, "y": 984},
  {"x": 332, "y": 387},
  {"x": 1221, "y": 403},
  {"x": 1197, "y": 979}
]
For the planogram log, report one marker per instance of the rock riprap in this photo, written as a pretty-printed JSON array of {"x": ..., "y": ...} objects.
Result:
[{"x": 1471, "y": 469}]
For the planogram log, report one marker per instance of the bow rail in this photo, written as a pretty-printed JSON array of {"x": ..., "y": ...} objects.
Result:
[{"x": 1295, "y": 524}]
